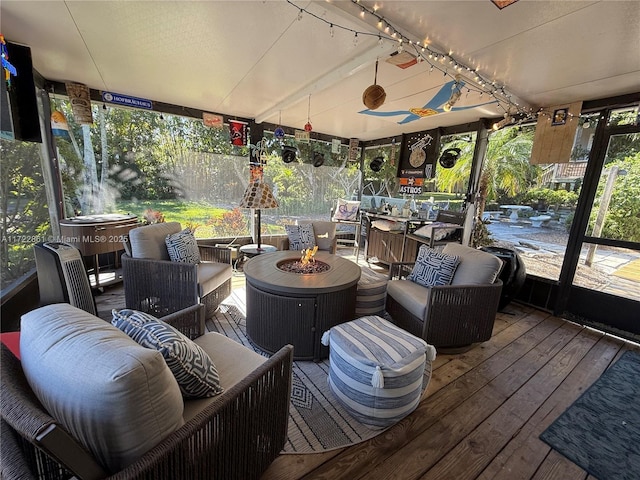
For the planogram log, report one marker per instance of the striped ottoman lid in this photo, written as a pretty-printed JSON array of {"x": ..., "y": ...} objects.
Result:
[{"x": 371, "y": 293}]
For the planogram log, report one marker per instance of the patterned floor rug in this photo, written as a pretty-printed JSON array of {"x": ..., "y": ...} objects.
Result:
[
  {"x": 317, "y": 423},
  {"x": 600, "y": 432}
]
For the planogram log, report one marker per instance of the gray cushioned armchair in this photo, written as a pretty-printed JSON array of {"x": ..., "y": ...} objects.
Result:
[
  {"x": 156, "y": 285},
  {"x": 234, "y": 435},
  {"x": 324, "y": 233},
  {"x": 453, "y": 316}
]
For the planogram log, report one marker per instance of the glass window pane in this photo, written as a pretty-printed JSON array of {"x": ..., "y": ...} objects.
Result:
[
  {"x": 624, "y": 116},
  {"x": 529, "y": 208},
  {"x": 25, "y": 219},
  {"x": 175, "y": 169}
]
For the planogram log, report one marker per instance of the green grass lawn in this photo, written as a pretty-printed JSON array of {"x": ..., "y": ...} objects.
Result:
[{"x": 173, "y": 210}]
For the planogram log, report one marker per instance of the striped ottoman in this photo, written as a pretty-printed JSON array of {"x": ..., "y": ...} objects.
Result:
[
  {"x": 371, "y": 293},
  {"x": 377, "y": 370}
]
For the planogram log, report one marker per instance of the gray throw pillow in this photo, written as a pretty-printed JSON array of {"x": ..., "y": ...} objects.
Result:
[
  {"x": 193, "y": 369},
  {"x": 300, "y": 236},
  {"x": 183, "y": 247},
  {"x": 433, "y": 268}
]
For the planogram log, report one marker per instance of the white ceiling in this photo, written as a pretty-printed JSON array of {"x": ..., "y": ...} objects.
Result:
[{"x": 256, "y": 59}]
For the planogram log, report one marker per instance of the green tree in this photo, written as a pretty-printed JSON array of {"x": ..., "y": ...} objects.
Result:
[
  {"x": 23, "y": 202},
  {"x": 623, "y": 215}
]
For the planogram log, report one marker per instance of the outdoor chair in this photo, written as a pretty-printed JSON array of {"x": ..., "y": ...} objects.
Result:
[
  {"x": 347, "y": 217},
  {"x": 446, "y": 228},
  {"x": 233, "y": 435},
  {"x": 452, "y": 316},
  {"x": 324, "y": 234},
  {"x": 155, "y": 284}
]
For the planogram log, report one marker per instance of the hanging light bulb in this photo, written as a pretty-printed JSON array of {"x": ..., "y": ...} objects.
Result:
[
  {"x": 300, "y": 15},
  {"x": 355, "y": 39},
  {"x": 455, "y": 95},
  {"x": 508, "y": 119},
  {"x": 331, "y": 32}
]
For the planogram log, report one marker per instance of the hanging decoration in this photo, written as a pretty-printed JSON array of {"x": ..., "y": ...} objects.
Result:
[
  {"x": 59, "y": 125},
  {"x": 257, "y": 161},
  {"x": 212, "y": 120},
  {"x": 279, "y": 132},
  {"x": 392, "y": 154},
  {"x": 7, "y": 68},
  {"x": 354, "y": 149},
  {"x": 417, "y": 160},
  {"x": 238, "y": 133},
  {"x": 302, "y": 136},
  {"x": 374, "y": 96},
  {"x": 80, "y": 99},
  {"x": 307, "y": 126},
  {"x": 555, "y": 134}
]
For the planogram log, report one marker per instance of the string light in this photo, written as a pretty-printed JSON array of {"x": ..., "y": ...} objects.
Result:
[{"x": 390, "y": 33}]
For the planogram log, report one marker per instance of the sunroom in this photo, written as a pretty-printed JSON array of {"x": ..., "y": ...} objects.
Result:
[{"x": 522, "y": 116}]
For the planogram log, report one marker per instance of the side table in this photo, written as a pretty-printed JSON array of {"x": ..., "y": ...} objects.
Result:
[{"x": 249, "y": 251}]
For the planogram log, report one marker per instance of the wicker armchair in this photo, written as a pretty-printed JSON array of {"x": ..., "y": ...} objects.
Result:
[
  {"x": 235, "y": 436},
  {"x": 156, "y": 285},
  {"x": 450, "y": 317},
  {"x": 325, "y": 236}
]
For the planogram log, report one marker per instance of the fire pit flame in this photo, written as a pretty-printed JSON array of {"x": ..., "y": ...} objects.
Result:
[{"x": 308, "y": 255}]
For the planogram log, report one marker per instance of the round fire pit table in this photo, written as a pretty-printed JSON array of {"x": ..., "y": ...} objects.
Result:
[{"x": 297, "y": 308}]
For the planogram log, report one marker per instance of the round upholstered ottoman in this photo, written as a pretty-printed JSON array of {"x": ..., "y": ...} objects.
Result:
[
  {"x": 377, "y": 370},
  {"x": 371, "y": 293}
]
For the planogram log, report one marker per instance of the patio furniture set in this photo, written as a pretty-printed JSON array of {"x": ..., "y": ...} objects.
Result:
[{"x": 238, "y": 426}]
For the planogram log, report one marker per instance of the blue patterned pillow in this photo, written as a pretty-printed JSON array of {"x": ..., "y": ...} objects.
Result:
[
  {"x": 433, "y": 268},
  {"x": 191, "y": 366},
  {"x": 183, "y": 247},
  {"x": 300, "y": 236}
]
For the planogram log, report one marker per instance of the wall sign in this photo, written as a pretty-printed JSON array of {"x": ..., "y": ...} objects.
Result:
[
  {"x": 126, "y": 100},
  {"x": 417, "y": 160}
]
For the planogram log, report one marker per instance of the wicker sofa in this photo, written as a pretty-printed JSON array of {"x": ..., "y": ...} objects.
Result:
[
  {"x": 454, "y": 316},
  {"x": 234, "y": 435},
  {"x": 155, "y": 284}
]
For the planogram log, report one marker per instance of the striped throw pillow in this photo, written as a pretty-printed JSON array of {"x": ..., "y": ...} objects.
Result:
[
  {"x": 193, "y": 369},
  {"x": 433, "y": 268}
]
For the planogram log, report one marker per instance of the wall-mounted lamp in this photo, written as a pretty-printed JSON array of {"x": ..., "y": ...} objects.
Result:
[
  {"x": 318, "y": 159},
  {"x": 376, "y": 164},
  {"x": 289, "y": 153}
]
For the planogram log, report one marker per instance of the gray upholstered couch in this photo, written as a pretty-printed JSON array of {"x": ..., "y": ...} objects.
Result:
[{"x": 88, "y": 401}]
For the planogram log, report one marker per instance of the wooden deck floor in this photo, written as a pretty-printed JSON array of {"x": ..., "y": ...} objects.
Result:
[{"x": 483, "y": 410}]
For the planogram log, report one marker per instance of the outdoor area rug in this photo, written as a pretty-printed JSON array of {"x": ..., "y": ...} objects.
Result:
[
  {"x": 600, "y": 432},
  {"x": 317, "y": 423}
]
